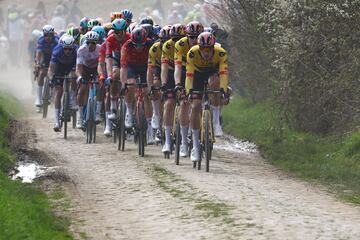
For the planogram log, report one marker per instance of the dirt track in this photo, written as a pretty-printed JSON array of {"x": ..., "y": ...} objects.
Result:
[{"x": 117, "y": 195}]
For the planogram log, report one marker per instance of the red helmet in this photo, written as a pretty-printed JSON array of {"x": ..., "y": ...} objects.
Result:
[
  {"x": 177, "y": 31},
  {"x": 138, "y": 35},
  {"x": 206, "y": 39},
  {"x": 115, "y": 15},
  {"x": 194, "y": 28},
  {"x": 165, "y": 33}
]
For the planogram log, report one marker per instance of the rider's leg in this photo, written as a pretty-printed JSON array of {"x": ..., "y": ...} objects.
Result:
[
  {"x": 195, "y": 126},
  {"x": 184, "y": 126},
  {"x": 81, "y": 100},
  {"x": 114, "y": 93},
  {"x": 100, "y": 91},
  {"x": 57, "y": 103},
  {"x": 155, "y": 103},
  {"x": 107, "y": 130},
  {"x": 129, "y": 102},
  {"x": 72, "y": 92},
  {"x": 169, "y": 108},
  {"x": 215, "y": 99},
  {"x": 40, "y": 83}
]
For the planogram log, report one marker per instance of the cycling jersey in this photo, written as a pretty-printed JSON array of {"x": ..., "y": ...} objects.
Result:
[
  {"x": 197, "y": 66},
  {"x": 155, "y": 55},
  {"x": 46, "y": 49},
  {"x": 86, "y": 57},
  {"x": 130, "y": 56},
  {"x": 181, "y": 49},
  {"x": 113, "y": 47},
  {"x": 102, "y": 52},
  {"x": 167, "y": 55},
  {"x": 63, "y": 64}
]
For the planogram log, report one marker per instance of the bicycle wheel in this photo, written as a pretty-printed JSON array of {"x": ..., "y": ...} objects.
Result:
[
  {"x": 93, "y": 116},
  {"x": 142, "y": 132},
  {"x": 89, "y": 121},
  {"x": 66, "y": 112},
  {"x": 177, "y": 141},
  {"x": 206, "y": 139},
  {"x": 121, "y": 127},
  {"x": 46, "y": 96}
]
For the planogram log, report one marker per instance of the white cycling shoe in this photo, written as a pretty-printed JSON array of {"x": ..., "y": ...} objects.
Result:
[
  {"x": 166, "y": 148},
  {"x": 107, "y": 131},
  {"x": 218, "y": 132},
  {"x": 150, "y": 138},
  {"x": 112, "y": 116},
  {"x": 79, "y": 123},
  {"x": 184, "y": 152},
  {"x": 155, "y": 121},
  {"x": 57, "y": 127},
  {"x": 195, "y": 155}
]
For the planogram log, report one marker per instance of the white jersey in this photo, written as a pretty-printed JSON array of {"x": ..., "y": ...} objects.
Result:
[{"x": 87, "y": 58}]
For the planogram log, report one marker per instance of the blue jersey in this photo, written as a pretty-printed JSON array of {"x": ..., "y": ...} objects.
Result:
[
  {"x": 46, "y": 48},
  {"x": 59, "y": 57}
]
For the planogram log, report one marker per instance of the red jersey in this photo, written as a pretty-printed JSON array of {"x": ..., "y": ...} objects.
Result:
[
  {"x": 102, "y": 52},
  {"x": 113, "y": 46},
  {"x": 129, "y": 55}
]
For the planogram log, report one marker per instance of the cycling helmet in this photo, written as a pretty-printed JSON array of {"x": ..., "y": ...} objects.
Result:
[
  {"x": 177, "y": 31},
  {"x": 92, "y": 23},
  {"x": 100, "y": 31},
  {"x": 147, "y": 20},
  {"x": 91, "y": 36},
  {"x": 116, "y": 15},
  {"x": 194, "y": 28},
  {"x": 132, "y": 27},
  {"x": 149, "y": 30},
  {"x": 138, "y": 35},
  {"x": 48, "y": 29},
  {"x": 67, "y": 41},
  {"x": 84, "y": 22},
  {"x": 74, "y": 32},
  {"x": 36, "y": 34},
  {"x": 127, "y": 14},
  {"x": 206, "y": 39},
  {"x": 156, "y": 30},
  {"x": 165, "y": 33},
  {"x": 119, "y": 24}
]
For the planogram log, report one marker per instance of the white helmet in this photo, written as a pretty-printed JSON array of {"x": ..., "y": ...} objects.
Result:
[
  {"x": 91, "y": 36},
  {"x": 66, "y": 41},
  {"x": 48, "y": 29},
  {"x": 36, "y": 34}
]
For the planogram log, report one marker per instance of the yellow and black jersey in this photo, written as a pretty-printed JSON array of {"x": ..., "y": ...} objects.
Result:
[
  {"x": 181, "y": 49},
  {"x": 195, "y": 62},
  {"x": 154, "y": 59},
  {"x": 167, "y": 55}
]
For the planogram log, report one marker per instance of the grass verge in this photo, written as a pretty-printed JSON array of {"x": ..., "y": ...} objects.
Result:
[
  {"x": 25, "y": 211},
  {"x": 332, "y": 160}
]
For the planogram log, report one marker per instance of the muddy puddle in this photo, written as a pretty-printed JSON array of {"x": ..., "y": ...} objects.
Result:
[{"x": 230, "y": 143}]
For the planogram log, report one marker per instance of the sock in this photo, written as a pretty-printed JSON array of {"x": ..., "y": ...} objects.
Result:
[
  {"x": 40, "y": 93},
  {"x": 81, "y": 112},
  {"x": 128, "y": 108},
  {"x": 195, "y": 137},
  {"x": 72, "y": 96},
  {"x": 168, "y": 135},
  {"x": 184, "y": 132},
  {"x": 155, "y": 106},
  {"x": 216, "y": 115},
  {"x": 113, "y": 105},
  {"x": 56, "y": 116},
  {"x": 108, "y": 122},
  {"x": 98, "y": 106}
]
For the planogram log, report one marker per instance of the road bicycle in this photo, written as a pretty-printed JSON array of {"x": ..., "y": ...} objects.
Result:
[
  {"x": 46, "y": 96},
  {"x": 90, "y": 112}
]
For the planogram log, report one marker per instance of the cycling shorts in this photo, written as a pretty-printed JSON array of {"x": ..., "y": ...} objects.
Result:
[
  {"x": 157, "y": 72},
  {"x": 200, "y": 78},
  {"x": 170, "y": 84},
  {"x": 62, "y": 70},
  {"x": 135, "y": 71},
  {"x": 45, "y": 61},
  {"x": 87, "y": 72}
]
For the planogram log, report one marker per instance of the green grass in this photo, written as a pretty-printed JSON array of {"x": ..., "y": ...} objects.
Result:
[
  {"x": 331, "y": 160},
  {"x": 25, "y": 211}
]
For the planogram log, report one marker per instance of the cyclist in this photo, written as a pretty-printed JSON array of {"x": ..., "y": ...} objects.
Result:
[
  {"x": 113, "y": 50},
  {"x": 75, "y": 33},
  {"x": 156, "y": 32},
  {"x": 134, "y": 58},
  {"x": 154, "y": 72},
  {"x": 44, "y": 49},
  {"x": 193, "y": 29},
  {"x": 84, "y": 25},
  {"x": 177, "y": 31},
  {"x": 35, "y": 35},
  {"x": 62, "y": 62},
  {"x": 147, "y": 20},
  {"x": 100, "y": 30},
  {"x": 115, "y": 15},
  {"x": 86, "y": 65},
  {"x": 205, "y": 61},
  {"x": 127, "y": 16}
]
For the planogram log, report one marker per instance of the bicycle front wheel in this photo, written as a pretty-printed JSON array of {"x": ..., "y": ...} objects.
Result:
[
  {"x": 46, "y": 96},
  {"x": 177, "y": 141},
  {"x": 207, "y": 141},
  {"x": 89, "y": 121},
  {"x": 121, "y": 125},
  {"x": 142, "y": 132},
  {"x": 66, "y": 112}
]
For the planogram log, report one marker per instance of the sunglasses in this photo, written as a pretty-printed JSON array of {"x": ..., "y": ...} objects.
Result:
[
  {"x": 93, "y": 43},
  {"x": 48, "y": 35},
  {"x": 193, "y": 37},
  {"x": 68, "y": 49},
  {"x": 119, "y": 31}
]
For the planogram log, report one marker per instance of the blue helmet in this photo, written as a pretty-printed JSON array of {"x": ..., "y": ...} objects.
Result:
[
  {"x": 128, "y": 15},
  {"x": 100, "y": 31},
  {"x": 119, "y": 24},
  {"x": 84, "y": 22},
  {"x": 156, "y": 30}
]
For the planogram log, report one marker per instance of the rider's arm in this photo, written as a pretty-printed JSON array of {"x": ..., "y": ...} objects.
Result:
[
  {"x": 79, "y": 64},
  {"x": 164, "y": 65},
  {"x": 109, "y": 59},
  {"x": 51, "y": 71},
  {"x": 151, "y": 67},
  {"x": 178, "y": 62},
  {"x": 124, "y": 65},
  {"x": 223, "y": 70},
  {"x": 190, "y": 70}
]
